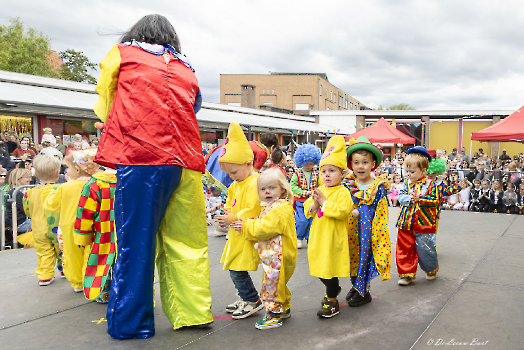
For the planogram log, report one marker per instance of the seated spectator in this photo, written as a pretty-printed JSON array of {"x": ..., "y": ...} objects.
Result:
[
  {"x": 18, "y": 177},
  {"x": 59, "y": 145},
  {"x": 94, "y": 142},
  {"x": 6, "y": 163},
  {"x": 23, "y": 150}
]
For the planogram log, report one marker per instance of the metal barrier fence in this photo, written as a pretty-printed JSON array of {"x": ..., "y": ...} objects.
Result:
[{"x": 11, "y": 201}]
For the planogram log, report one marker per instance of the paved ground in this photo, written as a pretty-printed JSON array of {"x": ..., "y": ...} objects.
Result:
[{"x": 478, "y": 298}]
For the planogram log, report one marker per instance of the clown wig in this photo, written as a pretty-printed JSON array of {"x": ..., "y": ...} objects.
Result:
[
  {"x": 437, "y": 166},
  {"x": 307, "y": 153}
]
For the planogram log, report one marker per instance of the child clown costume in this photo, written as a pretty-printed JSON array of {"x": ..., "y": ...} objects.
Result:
[{"x": 148, "y": 99}]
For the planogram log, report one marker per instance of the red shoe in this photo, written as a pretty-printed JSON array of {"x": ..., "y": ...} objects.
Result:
[
  {"x": 62, "y": 275},
  {"x": 46, "y": 282}
]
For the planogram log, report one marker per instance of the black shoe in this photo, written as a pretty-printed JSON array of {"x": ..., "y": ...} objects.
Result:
[
  {"x": 358, "y": 300},
  {"x": 350, "y": 294},
  {"x": 329, "y": 309}
]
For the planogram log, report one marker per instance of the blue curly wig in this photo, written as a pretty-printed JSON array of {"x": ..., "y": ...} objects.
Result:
[{"x": 307, "y": 153}]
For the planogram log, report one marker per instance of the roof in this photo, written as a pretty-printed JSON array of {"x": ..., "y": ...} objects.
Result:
[
  {"x": 24, "y": 94},
  {"x": 322, "y": 75},
  {"x": 382, "y": 132}
]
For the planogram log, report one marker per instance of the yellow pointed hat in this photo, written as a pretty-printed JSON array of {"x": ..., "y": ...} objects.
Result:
[
  {"x": 236, "y": 149},
  {"x": 335, "y": 153}
]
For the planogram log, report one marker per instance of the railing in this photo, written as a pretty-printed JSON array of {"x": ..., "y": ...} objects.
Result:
[{"x": 12, "y": 200}]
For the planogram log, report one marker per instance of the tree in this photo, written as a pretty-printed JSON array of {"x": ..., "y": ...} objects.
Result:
[
  {"x": 76, "y": 66},
  {"x": 397, "y": 107},
  {"x": 25, "y": 50}
]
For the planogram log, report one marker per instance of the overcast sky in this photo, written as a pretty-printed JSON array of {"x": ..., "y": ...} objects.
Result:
[{"x": 438, "y": 54}]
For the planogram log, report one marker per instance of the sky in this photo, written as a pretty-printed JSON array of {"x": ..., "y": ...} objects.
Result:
[{"x": 430, "y": 54}]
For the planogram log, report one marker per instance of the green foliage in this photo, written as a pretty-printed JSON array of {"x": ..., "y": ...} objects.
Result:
[
  {"x": 397, "y": 107},
  {"x": 76, "y": 66},
  {"x": 25, "y": 50}
]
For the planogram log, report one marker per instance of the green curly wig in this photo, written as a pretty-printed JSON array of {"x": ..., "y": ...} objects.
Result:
[{"x": 437, "y": 166}]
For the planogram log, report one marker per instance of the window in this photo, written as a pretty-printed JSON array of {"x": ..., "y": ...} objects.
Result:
[
  {"x": 272, "y": 92},
  {"x": 263, "y": 92},
  {"x": 326, "y": 93},
  {"x": 320, "y": 90},
  {"x": 346, "y": 104},
  {"x": 331, "y": 95},
  {"x": 335, "y": 98},
  {"x": 269, "y": 104},
  {"x": 301, "y": 106}
]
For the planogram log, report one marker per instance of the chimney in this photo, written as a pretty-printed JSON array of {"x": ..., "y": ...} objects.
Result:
[{"x": 248, "y": 96}]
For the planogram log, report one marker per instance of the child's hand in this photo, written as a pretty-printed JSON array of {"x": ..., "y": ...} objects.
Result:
[
  {"x": 319, "y": 197},
  {"x": 237, "y": 225},
  {"x": 415, "y": 196},
  {"x": 222, "y": 219}
]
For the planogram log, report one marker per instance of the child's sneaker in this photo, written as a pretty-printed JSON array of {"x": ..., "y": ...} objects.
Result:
[
  {"x": 287, "y": 314},
  {"x": 329, "y": 309},
  {"x": 62, "y": 275},
  {"x": 299, "y": 244},
  {"x": 247, "y": 308},
  {"x": 221, "y": 231},
  {"x": 359, "y": 300},
  {"x": 234, "y": 307},
  {"x": 78, "y": 290},
  {"x": 404, "y": 281},
  {"x": 431, "y": 277},
  {"x": 269, "y": 322},
  {"x": 46, "y": 282}
]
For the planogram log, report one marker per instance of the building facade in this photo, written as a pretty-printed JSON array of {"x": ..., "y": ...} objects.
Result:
[{"x": 295, "y": 92}]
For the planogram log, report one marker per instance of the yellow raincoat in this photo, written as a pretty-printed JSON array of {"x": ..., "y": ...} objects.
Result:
[
  {"x": 239, "y": 253},
  {"x": 328, "y": 250},
  {"x": 278, "y": 220}
]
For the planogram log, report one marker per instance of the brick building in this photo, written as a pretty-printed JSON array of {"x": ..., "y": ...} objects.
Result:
[{"x": 292, "y": 92}]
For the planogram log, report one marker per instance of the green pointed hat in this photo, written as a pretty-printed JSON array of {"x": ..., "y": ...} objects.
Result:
[{"x": 363, "y": 143}]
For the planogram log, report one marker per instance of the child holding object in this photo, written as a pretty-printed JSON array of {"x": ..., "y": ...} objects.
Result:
[
  {"x": 329, "y": 206},
  {"x": 417, "y": 220},
  {"x": 303, "y": 183},
  {"x": 274, "y": 229}
]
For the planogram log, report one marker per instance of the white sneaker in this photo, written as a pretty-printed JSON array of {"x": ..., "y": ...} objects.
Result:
[
  {"x": 247, "y": 308},
  {"x": 431, "y": 277},
  {"x": 404, "y": 281},
  {"x": 299, "y": 244},
  {"x": 78, "y": 290},
  {"x": 234, "y": 307}
]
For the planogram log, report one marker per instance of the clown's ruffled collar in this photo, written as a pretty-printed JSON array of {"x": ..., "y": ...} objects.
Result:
[{"x": 367, "y": 195}]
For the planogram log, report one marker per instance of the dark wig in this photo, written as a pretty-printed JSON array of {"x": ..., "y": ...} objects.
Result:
[{"x": 153, "y": 29}]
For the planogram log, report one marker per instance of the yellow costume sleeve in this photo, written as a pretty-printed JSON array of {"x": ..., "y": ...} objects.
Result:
[
  {"x": 251, "y": 204},
  {"x": 307, "y": 205},
  {"x": 380, "y": 239},
  {"x": 340, "y": 206},
  {"x": 107, "y": 82},
  {"x": 230, "y": 197},
  {"x": 51, "y": 199},
  {"x": 269, "y": 226}
]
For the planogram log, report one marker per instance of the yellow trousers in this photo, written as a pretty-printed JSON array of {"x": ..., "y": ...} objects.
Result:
[
  {"x": 47, "y": 253},
  {"x": 74, "y": 257}
]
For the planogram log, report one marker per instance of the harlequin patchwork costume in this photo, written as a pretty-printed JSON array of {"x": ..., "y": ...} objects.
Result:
[
  {"x": 45, "y": 228},
  {"x": 274, "y": 229},
  {"x": 303, "y": 182},
  {"x": 152, "y": 139},
  {"x": 240, "y": 255},
  {"x": 417, "y": 225},
  {"x": 328, "y": 250},
  {"x": 368, "y": 235},
  {"x": 95, "y": 228}
]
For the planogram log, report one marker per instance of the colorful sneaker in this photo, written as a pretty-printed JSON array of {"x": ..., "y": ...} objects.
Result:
[
  {"x": 62, "y": 275},
  {"x": 247, "y": 308},
  {"x": 287, "y": 314},
  {"x": 234, "y": 307},
  {"x": 359, "y": 300},
  {"x": 329, "y": 309},
  {"x": 404, "y": 281},
  {"x": 46, "y": 282},
  {"x": 269, "y": 322},
  {"x": 431, "y": 277}
]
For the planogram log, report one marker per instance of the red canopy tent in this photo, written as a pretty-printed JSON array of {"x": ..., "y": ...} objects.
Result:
[
  {"x": 382, "y": 132},
  {"x": 510, "y": 129}
]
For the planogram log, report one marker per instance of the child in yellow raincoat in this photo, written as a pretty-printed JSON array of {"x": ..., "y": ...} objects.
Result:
[
  {"x": 64, "y": 200},
  {"x": 330, "y": 205},
  {"x": 240, "y": 255},
  {"x": 274, "y": 229}
]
